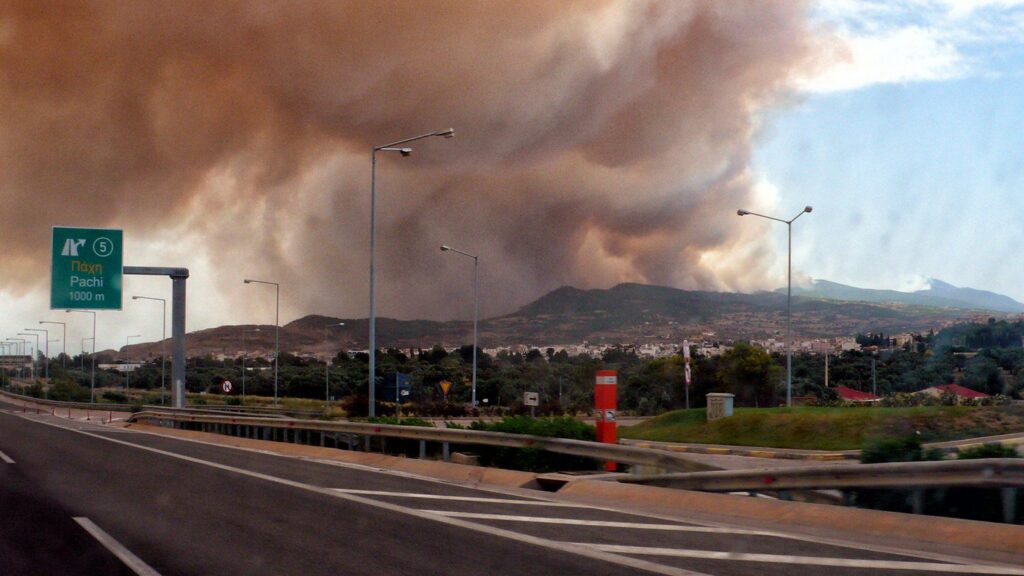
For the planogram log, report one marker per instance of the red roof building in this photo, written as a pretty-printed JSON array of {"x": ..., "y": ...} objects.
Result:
[
  {"x": 956, "y": 389},
  {"x": 851, "y": 395}
]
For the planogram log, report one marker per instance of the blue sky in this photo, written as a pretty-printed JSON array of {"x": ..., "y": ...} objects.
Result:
[{"x": 915, "y": 165}]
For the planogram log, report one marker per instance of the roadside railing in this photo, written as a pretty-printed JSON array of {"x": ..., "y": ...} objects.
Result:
[
  {"x": 259, "y": 427},
  {"x": 988, "y": 472},
  {"x": 113, "y": 407}
]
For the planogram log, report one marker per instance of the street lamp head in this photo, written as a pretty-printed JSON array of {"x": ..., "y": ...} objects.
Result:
[
  {"x": 405, "y": 152},
  {"x": 445, "y": 248},
  {"x": 742, "y": 212},
  {"x": 449, "y": 133},
  {"x": 808, "y": 208},
  {"x": 247, "y": 281}
]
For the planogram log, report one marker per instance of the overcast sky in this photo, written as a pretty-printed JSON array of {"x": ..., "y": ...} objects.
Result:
[{"x": 596, "y": 143}]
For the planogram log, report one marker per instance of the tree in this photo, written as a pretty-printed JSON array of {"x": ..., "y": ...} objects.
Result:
[{"x": 750, "y": 374}]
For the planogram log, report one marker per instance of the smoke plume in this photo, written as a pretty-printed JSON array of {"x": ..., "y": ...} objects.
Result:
[{"x": 596, "y": 142}]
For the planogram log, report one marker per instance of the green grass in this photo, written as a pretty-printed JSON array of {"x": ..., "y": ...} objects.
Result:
[{"x": 814, "y": 428}]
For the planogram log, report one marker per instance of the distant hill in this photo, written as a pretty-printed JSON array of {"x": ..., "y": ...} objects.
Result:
[
  {"x": 938, "y": 293},
  {"x": 627, "y": 313}
]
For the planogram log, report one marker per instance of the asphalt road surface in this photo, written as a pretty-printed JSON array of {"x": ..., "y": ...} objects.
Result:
[{"x": 81, "y": 498}]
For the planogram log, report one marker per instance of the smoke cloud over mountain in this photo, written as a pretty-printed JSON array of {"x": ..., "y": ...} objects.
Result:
[{"x": 596, "y": 142}]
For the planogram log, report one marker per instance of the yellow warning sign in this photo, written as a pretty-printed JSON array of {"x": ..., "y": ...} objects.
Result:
[{"x": 446, "y": 385}]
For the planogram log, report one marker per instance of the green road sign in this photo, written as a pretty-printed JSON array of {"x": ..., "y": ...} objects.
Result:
[{"x": 86, "y": 268}]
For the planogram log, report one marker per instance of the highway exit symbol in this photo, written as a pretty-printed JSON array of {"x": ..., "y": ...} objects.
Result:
[{"x": 86, "y": 268}]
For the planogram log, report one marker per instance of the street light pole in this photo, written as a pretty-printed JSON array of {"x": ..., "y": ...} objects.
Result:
[
  {"x": 245, "y": 352},
  {"x": 789, "y": 295},
  {"x": 24, "y": 343},
  {"x": 392, "y": 147},
  {"x": 277, "y": 328},
  {"x": 163, "y": 341},
  {"x": 46, "y": 366},
  {"x": 64, "y": 327},
  {"x": 327, "y": 363},
  {"x": 36, "y": 336},
  {"x": 127, "y": 371},
  {"x": 476, "y": 307},
  {"x": 92, "y": 379}
]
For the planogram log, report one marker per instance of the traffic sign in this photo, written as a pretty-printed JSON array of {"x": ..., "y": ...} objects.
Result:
[
  {"x": 531, "y": 399},
  {"x": 446, "y": 385},
  {"x": 226, "y": 386},
  {"x": 86, "y": 268}
]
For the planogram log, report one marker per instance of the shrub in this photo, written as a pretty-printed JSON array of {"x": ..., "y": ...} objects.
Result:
[
  {"x": 535, "y": 459},
  {"x": 115, "y": 397},
  {"x": 987, "y": 451}
]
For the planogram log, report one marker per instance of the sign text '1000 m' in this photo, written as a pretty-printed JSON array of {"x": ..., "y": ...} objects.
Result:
[{"x": 86, "y": 268}]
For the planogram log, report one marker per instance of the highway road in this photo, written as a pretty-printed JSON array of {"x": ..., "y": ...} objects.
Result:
[{"x": 82, "y": 498}]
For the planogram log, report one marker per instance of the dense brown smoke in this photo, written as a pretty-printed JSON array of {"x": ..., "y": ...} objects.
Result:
[{"x": 597, "y": 141}]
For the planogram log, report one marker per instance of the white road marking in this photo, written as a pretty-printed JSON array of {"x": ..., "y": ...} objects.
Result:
[
  {"x": 804, "y": 560},
  {"x": 116, "y": 548},
  {"x": 600, "y": 523},
  {"x": 584, "y": 551},
  {"x": 461, "y": 498},
  {"x": 6, "y": 458}
]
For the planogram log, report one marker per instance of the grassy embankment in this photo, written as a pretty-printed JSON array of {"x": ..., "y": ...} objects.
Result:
[{"x": 814, "y": 428}]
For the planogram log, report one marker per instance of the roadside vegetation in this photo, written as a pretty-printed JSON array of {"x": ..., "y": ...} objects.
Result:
[{"x": 829, "y": 428}]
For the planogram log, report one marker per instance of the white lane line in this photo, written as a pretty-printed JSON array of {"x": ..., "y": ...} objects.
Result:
[
  {"x": 6, "y": 458},
  {"x": 804, "y": 560},
  {"x": 586, "y": 552},
  {"x": 460, "y": 498},
  {"x": 600, "y": 523},
  {"x": 116, "y": 548}
]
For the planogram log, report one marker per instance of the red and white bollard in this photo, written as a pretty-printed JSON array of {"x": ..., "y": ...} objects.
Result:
[{"x": 605, "y": 404}]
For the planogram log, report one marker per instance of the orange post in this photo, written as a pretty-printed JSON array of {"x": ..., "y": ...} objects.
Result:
[{"x": 605, "y": 405}]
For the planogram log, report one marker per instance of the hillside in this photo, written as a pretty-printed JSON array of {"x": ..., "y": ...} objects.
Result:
[
  {"x": 627, "y": 313},
  {"x": 938, "y": 293}
]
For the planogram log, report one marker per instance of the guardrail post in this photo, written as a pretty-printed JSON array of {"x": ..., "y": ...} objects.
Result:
[
  {"x": 423, "y": 449},
  {"x": 917, "y": 501},
  {"x": 446, "y": 452},
  {"x": 1009, "y": 505}
]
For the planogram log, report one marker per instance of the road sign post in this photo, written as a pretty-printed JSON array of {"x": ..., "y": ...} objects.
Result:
[{"x": 86, "y": 268}]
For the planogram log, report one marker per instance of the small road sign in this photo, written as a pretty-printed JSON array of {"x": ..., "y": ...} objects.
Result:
[
  {"x": 446, "y": 385},
  {"x": 531, "y": 399},
  {"x": 226, "y": 386},
  {"x": 86, "y": 268}
]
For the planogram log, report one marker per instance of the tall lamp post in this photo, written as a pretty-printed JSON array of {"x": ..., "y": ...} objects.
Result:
[
  {"x": 24, "y": 344},
  {"x": 476, "y": 307},
  {"x": 92, "y": 378},
  {"x": 46, "y": 340},
  {"x": 163, "y": 341},
  {"x": 36, "y": 336},
  {"x": 64, "y": 337},
  {"x": 789, "y": 295},
  {"x": 327, "y": 364},
  {"x": 404, "y": 151},
  {"x": 127, "y": 370},
  {"x": 277, "y": 328}
]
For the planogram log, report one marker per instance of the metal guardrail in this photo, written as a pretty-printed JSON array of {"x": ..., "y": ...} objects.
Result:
[
  {"x": 597, "y": 451},
  {"x": 109, "y": 407},
  {"x": 988, "y": 472}
]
